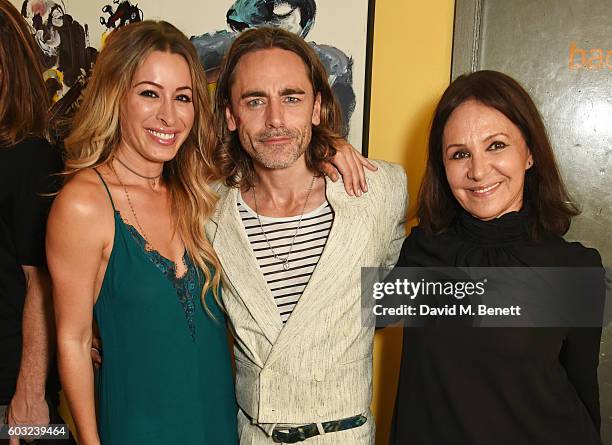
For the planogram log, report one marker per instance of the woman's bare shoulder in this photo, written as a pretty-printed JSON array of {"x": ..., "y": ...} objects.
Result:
[{"x": 83, "y": 200}]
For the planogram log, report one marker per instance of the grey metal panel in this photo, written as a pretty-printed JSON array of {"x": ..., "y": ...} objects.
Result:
[
  {"x": 466, "y": 36},
  {"x": 530, "y": 40}
]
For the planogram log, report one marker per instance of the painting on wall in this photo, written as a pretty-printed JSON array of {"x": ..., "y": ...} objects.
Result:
[{"x": 70, "y": 34}]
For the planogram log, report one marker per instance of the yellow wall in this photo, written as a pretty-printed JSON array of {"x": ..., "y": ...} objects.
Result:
[{"x": 411, "y": 69}]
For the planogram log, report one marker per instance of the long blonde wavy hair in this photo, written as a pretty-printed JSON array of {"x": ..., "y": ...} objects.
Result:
[{"x": 96, "y": 132}]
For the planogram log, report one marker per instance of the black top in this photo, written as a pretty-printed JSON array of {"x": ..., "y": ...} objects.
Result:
[
  {"x": 497, "y": 386},
  {"x": 25, "y": 171}
]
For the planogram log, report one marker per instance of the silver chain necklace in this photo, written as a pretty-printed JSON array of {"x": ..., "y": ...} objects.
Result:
[{"x": 283, "y": 260}]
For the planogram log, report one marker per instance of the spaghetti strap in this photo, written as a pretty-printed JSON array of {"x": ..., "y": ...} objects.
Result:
[{"x": 106, "y": 187}]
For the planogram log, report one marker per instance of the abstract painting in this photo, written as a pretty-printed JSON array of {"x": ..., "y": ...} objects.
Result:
[{"x": 71, "y": 32}]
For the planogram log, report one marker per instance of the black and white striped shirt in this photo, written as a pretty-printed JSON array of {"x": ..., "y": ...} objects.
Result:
[{"x": 287, "y": 285}]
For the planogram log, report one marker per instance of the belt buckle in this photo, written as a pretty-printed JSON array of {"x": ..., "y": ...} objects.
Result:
[{"x": 293, "y": 435}]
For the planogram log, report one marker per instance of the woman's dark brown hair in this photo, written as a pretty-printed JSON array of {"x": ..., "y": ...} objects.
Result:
[
  {"x": 549, "y": 206},
  {"x": 23, "y": 97},
  {"x": 234, "y": 164}
]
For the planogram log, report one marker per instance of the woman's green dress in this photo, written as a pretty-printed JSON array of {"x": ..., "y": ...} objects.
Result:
[{"x": 166, "y": 376}]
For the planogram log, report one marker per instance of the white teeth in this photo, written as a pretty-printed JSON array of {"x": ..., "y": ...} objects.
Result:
[
  {"x": 486, "y": 189},
  {"x": 166, "y": 136}
]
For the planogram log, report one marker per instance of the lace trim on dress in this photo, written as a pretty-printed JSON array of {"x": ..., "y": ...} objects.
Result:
[{"x": 185, "y": 286}]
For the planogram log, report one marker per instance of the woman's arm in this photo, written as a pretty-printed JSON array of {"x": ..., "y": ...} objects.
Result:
[
  {"x": 579, "y": 354},
  {"x": 580, "y": 358},
  {"x": 77, "y": 236}
]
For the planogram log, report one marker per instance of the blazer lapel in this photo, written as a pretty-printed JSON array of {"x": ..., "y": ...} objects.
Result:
[
  {"x": 240, "y": 266},
  {"x": 347, "y": 240}
]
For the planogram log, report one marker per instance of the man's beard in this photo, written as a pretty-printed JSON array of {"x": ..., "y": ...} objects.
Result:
[{"x": 279, "y": 156}]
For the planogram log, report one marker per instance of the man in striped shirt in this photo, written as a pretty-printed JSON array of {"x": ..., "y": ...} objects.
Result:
[{"x": 292, "y": 244}]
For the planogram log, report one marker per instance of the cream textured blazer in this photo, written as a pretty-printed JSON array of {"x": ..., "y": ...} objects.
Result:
[{"x": 318, "y": 366}]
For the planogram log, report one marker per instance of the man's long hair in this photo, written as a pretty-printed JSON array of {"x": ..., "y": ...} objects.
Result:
[
  {"x": 23, "y": 96},
  {"x": 234, "y": 165}
]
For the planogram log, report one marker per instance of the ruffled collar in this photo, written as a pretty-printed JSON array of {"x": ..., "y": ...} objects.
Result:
[{"x": 508, "y": 228}]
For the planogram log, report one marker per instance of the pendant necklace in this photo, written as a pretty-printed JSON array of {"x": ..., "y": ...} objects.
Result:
[{"x": 284, "y": 260}]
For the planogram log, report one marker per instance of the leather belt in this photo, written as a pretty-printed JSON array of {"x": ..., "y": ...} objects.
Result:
[{"x": 301, "y": 433}]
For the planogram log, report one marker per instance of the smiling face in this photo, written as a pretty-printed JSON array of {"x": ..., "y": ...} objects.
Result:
[
  {"x": 273, "y": 107},
  {"x": 157, "y": 113},
  {"x": 485, "y": 157}
]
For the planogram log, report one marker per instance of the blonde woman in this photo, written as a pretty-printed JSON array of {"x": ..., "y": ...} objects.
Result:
[{"x": 127, "y": 247}]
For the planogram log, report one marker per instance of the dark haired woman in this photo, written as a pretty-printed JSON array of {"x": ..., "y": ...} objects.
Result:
[
  {"x": 28, "y": 383},
  {"x": 492, "y": 196}
]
